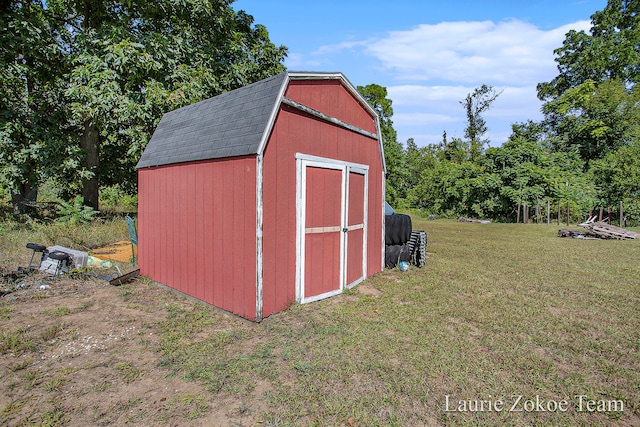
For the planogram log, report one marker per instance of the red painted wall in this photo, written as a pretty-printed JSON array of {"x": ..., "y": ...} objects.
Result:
[
  {"x": 332, "y": 99},
  {"x": 196, "y": 229},
  {"x": 355, "y": 216},
  {"x": 322, "y": 252},
  {"x": 297, "y": 132}
]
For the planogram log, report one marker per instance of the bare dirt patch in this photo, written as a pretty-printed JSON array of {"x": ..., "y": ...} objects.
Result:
[
  {"x": 368, "y": 289},
  {"x": 85, "y": 353}
]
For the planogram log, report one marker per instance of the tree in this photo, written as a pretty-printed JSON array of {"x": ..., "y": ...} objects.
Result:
[
  {"x": 475, "y": 104},
  {"x": 136, "y": 60},
  {"x": 454, "y": 150},
  {"x": 532, "y": 131},
  {"x": 522, "y": 170},
  {"x": 417, "y": 159},
  {"x": 376, "y": 97},
  {"x": 32, "y": 109},
  {"x": 592, "y": 104},
  {"x": 124, "y": 63},
  {"x": 528, "y": 172},
  {"x": 595, "y": 118},
  {"x": 615, "y": 31},
  {"x": 453, "y": 189},
  {"x": 617, "y": 178}
]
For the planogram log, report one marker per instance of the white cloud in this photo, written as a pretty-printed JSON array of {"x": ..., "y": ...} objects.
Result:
[
  {"x": 507, "y": 52},
  {"x": 510, "y": 52},
  {"x": 420, "y": 118},
  {"x": 418, "y": 94},
  {"x": 516, "y": 104},
  {"x": 347, "y": 45}
]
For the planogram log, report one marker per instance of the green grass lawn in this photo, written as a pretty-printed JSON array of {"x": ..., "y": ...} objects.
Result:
[
  {"x": 506, "y": 313},
  {"x": 506, "y": 325}
]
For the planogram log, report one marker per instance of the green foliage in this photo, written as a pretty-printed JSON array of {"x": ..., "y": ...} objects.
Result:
[
  {"x": 593, "y": 104},
  {"x": 617, "y": 178},
  {"x": 75, "y": 212},
  {"x": 80, "y": 83},
  {"x": 376, "y": 97},
  {"x": 455, "y": 150},
  {"x": 417, "y": 159},
  {"x": 115, "y": 199},
  {"x": 32, "y": 111},
  {"x": 529, "y": 173},
  {"x": 521, "y": 171},
  {"x": 448, "y": 188},
  {"x": 595, "y": 118},
  {"x": 614, "y": 30}
]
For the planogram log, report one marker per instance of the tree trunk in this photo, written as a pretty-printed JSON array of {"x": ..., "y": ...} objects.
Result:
[
  {"x": 25, "y": 193},
  {"x": 548, "y": 212},
  {"x": 90, "y": 143}
]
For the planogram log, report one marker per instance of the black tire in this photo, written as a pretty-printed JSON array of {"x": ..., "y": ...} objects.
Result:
[
  {"x": 393, "y": 254},
  {"x": 36, "y": 247},
  {"x": 397, "y": 229},
  {"x": 60, "y": 256}
]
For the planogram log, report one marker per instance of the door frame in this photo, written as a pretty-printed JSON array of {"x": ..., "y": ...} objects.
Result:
[{"x": 302, "y": 162}]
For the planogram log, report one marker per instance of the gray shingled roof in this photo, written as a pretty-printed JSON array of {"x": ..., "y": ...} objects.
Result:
[{"x": 230, "y": 124}]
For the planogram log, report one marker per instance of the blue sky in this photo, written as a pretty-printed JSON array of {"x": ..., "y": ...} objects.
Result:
[{"x": 431, "y": 54}]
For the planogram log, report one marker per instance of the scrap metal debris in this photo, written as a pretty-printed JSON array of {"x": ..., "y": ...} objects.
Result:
[{"x": 124, "y": 278}]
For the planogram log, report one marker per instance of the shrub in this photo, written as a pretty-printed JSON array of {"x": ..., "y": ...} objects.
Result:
[{"x": 75, "y": 212}]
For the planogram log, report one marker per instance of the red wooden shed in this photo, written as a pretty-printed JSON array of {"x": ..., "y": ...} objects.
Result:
[{"x": 266, "y": 195}]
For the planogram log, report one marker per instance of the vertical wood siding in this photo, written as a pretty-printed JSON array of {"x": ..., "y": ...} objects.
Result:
[
  {"x": 197, "y": 226},
  {"x": 355, "y": 216},
  {"x": 332, "y": 99},
  {"x": 322, "y": 248},
  {"x": 297, "y": 132}
]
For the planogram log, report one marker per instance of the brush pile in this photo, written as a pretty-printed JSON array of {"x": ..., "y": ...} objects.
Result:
[{"x": 603, "y": 230}]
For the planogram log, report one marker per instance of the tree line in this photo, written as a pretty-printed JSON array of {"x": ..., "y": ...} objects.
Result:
[{"x": 584, "y": 154}]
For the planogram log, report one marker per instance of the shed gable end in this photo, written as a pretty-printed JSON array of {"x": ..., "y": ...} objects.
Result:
[{"x": 333, "y": 99}]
